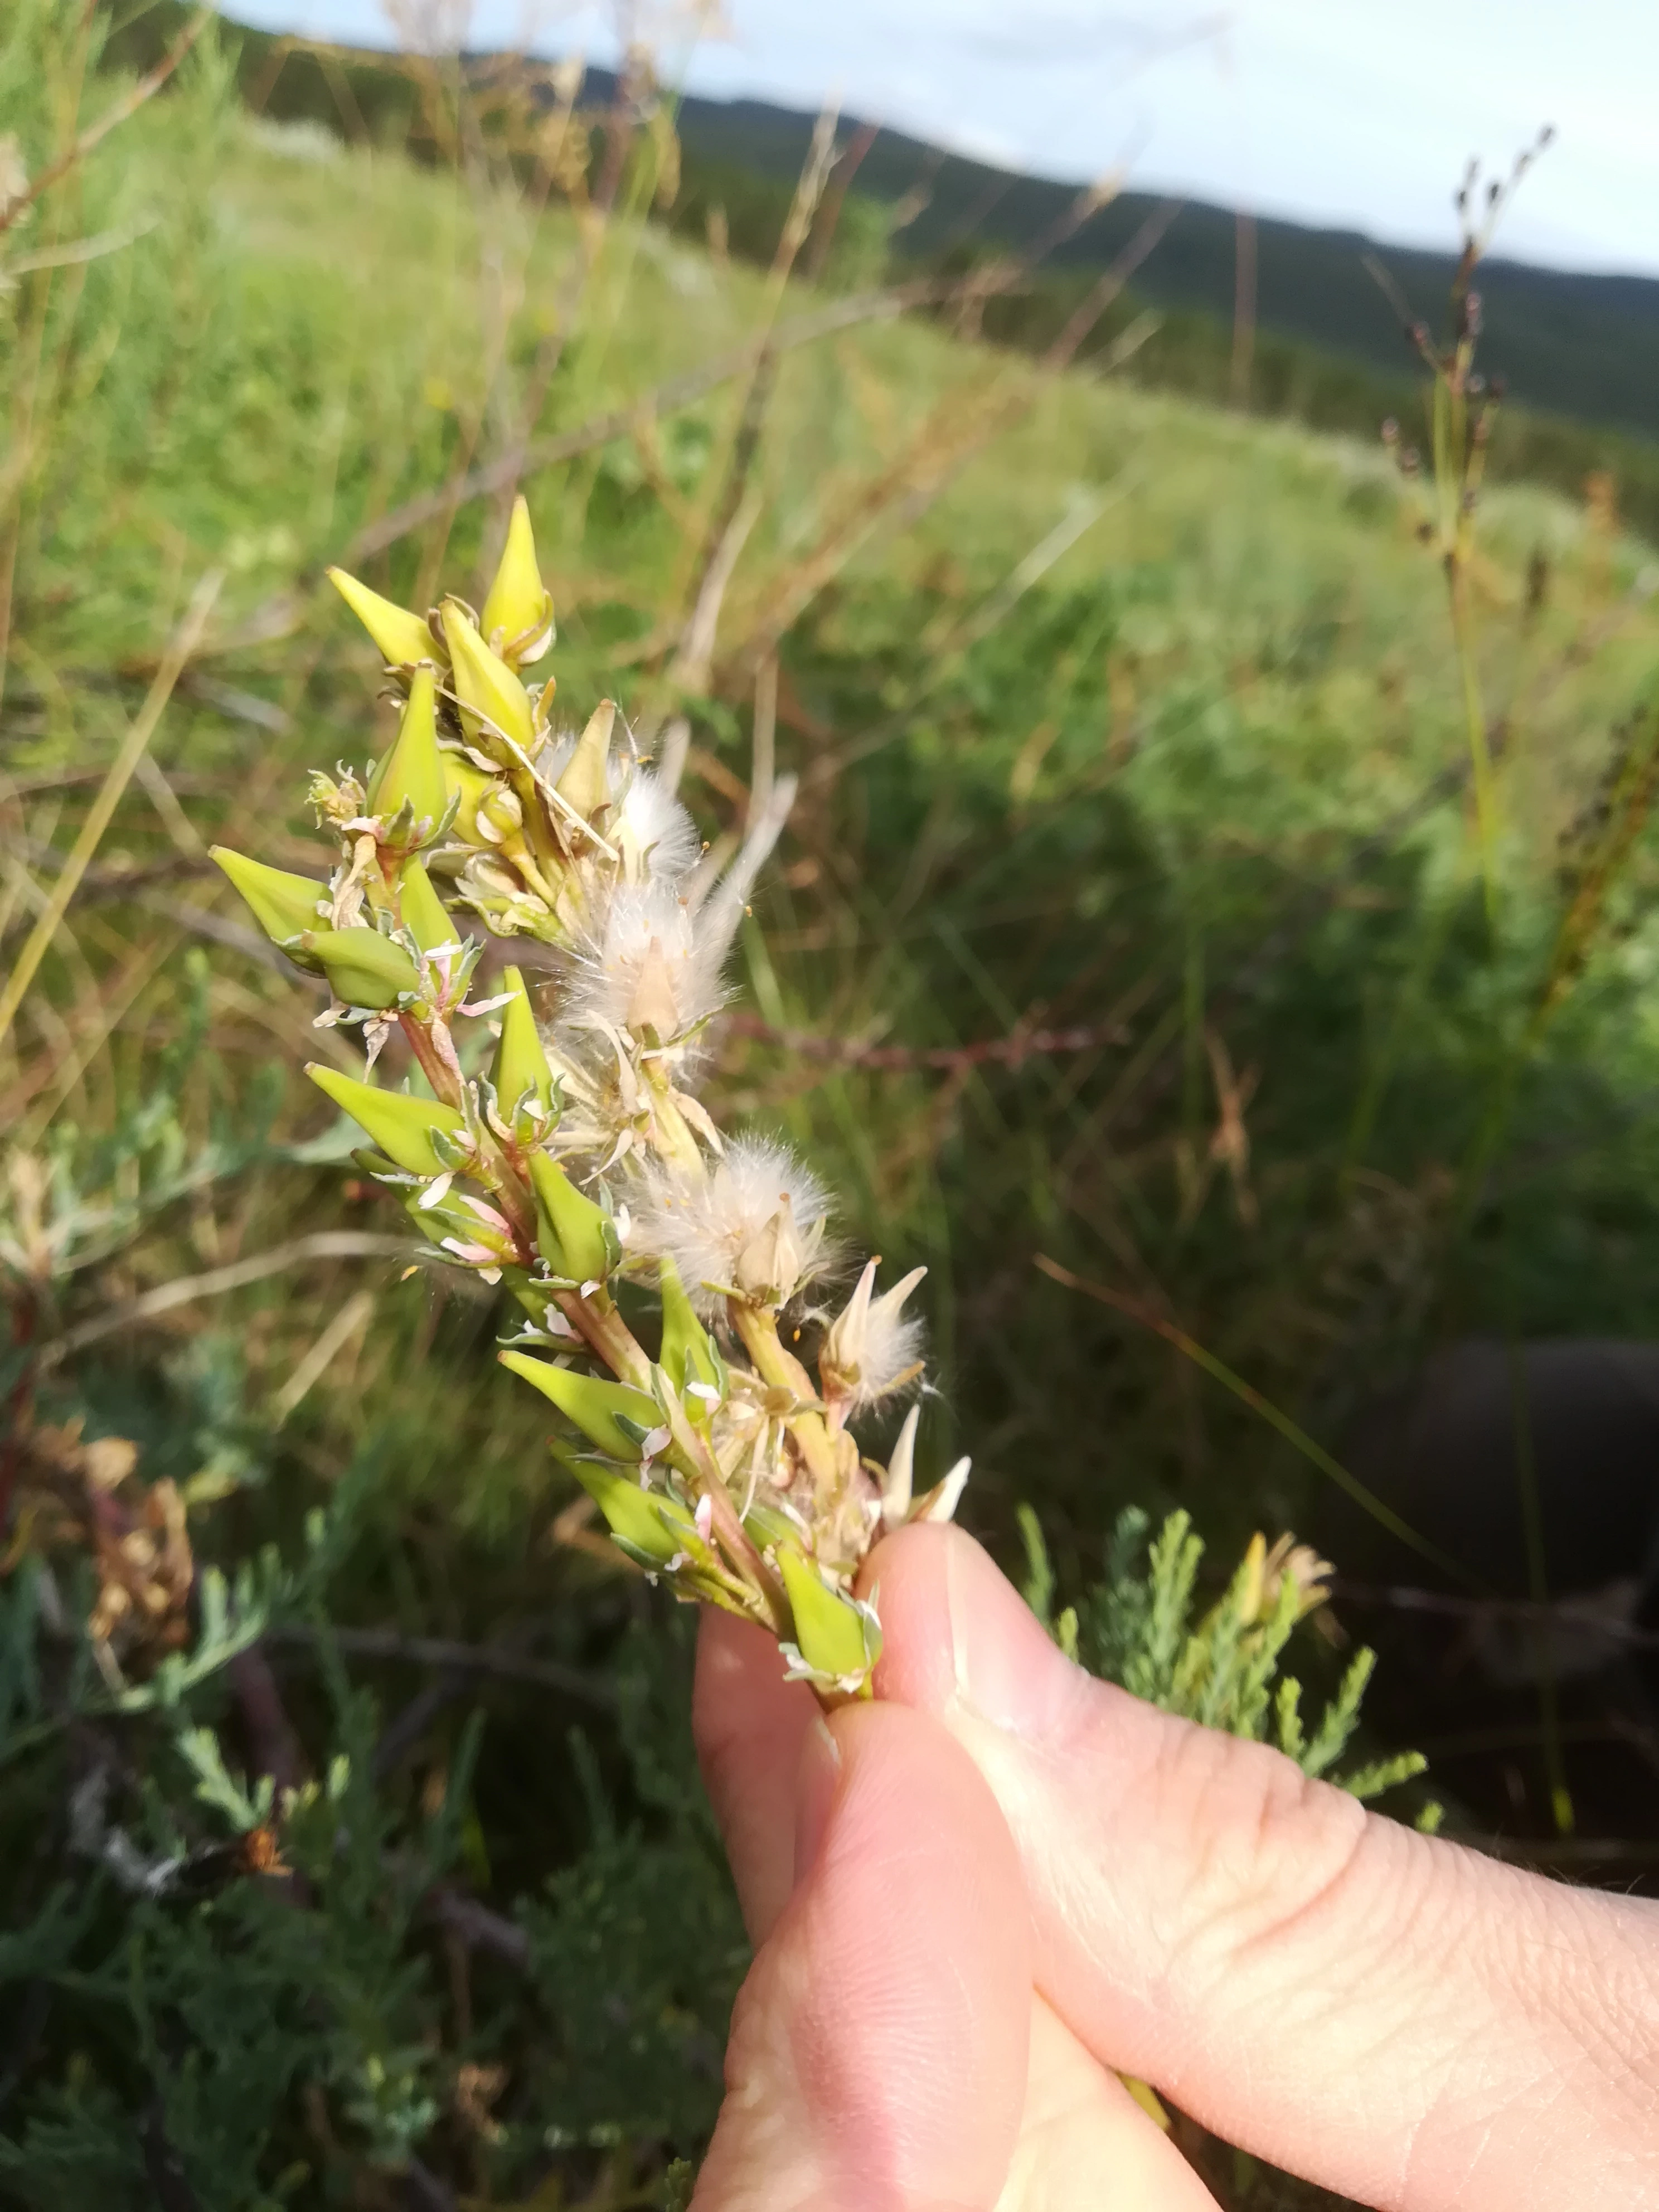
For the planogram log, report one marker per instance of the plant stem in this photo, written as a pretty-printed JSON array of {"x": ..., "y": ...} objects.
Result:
[
  {"x": 757, "y": 1329},
  {"x": 432, "y": 1066},
  {"x": 1475, "y": 722}
]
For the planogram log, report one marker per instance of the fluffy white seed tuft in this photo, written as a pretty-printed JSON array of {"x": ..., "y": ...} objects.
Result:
[
  {"x": 646, "y": 967},
  {"x": 755, "y": 1223}
]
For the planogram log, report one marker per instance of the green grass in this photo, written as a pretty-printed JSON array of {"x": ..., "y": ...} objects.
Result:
[{"x": 1188, "y": 785}]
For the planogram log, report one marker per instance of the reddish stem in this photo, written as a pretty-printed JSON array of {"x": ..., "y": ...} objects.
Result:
[{"x": 436, "y": 1071}]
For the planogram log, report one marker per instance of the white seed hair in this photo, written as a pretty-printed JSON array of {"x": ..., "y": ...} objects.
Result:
[
  {"x": 708, "y": 1227},
  {"x": 646, "y": 964}
]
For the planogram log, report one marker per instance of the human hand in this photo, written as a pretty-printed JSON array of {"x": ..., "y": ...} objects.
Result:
[{"x": 976, "y": 1897}]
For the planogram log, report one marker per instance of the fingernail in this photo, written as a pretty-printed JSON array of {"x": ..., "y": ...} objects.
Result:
[
  {"x": 1008, "y": 1671},
  {"x": 815, "y": 1793}
]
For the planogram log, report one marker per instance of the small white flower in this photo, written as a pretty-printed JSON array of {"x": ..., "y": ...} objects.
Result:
[{"x": 871, "y": 1349}]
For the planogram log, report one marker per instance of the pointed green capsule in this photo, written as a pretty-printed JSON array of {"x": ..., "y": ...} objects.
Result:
[
  {"x": 650, "y": 1530},
  {"x": 586, "y": 783},
  {"x": 494, "y": 703},
  {"x": 832, "y": 1636},
  {"x": 577, "y": 1238},
  {"x": 688, "y": 1350},
  {"x": 402, "y": 1126},
  {"x": 521, "y": 1068},
  {"x": 413, "y": 770},
  {"x": 469, "y": 787},
  {"x": 401, "y": 636},
  {"x": 519, "y": 608},
  {"x": 366, "y": 968},
  {"x": 284, "y": 906},
  {"x": 592, "y": 1404},
  {"x": 767, "y": 1527},
  {"x": 421, "y": 911}
]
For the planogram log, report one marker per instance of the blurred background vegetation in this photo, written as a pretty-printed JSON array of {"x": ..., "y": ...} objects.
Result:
[{"x": 1132, "y": 917}]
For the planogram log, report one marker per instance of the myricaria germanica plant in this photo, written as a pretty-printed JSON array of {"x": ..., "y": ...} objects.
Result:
[{"x": 578, "y": 1156}]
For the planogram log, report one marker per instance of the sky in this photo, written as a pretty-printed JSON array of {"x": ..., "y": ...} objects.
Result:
[{"x": 1340, "y": 113}]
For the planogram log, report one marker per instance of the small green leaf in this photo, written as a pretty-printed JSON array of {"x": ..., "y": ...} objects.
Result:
[
  {"x": 284, "y": 906},
  {"x": 402, "y": 1126},
  {"x": 520, "y": 1068},
  {"x": 494, "y": 703},
  {"x": 365, "y": 969},
  {"x": 422, "y": 912},
  {"x": 833, "y": 1636},
  {"x": 651, "y": 1529},
  {"x": 688, "y": 1350},
  {"x": 413, "y": 770},
  {"x": 577, "y": 1238},
  {"x": 401, "y": 636},
  {"x": 592, "y": 1404}
]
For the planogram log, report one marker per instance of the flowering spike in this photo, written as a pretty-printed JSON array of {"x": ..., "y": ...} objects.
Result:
[
  {"x": 421, "y": 911},
  {"x": 402, "y": 1126},
  {"x": 517, "y": 615},
  {"x": 586, "y": 783},
  {"x": 494, "y": 703},
  {"x": 577, "y": 1238},
  {"x": 520, "y": 1069},
  {"x": 688, "y": 1350},
  {"x": 401, "y": 637},
  {"x": 591, "y": 1405},
  {"x": 896, "y": 1486},
  {"x": 365, "y": 969},
  {"x": 284, "y": 906},
  {"x": 413, "y": 770},
  {"x": 837, "y": 1638},
  {"x": 569, "y": 844}
]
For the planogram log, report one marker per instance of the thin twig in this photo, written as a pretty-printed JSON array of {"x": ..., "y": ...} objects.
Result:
[
  {"x": 498, "y": 1659},
  {"x": 478, "y": 1928},
  {"x": 1548, "y": 1613},
  {"x": 184, "y": 642},
  {"x": 129, "y": 104},
  {"x": 1011, "y": 1051},
  {"x": 1121, "y": 1301},
  {"x": 323, "y": 1245}
]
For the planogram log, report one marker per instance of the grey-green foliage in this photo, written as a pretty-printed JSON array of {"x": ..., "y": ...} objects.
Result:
[
  {"x": 638, "y": 1947},
  {"x": 1136, "y": 1628},
  {"x": 268, "y": 2042},
  {"x": 204, "y": 2013}
]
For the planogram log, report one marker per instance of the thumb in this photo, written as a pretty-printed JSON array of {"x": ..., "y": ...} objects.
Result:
[
  {"x": 878, "y": 2055},
  {"x": 1399, "y": 2019}
]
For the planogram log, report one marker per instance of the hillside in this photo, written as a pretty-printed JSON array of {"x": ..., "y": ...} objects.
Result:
[{"x": 1583, "y": 346}]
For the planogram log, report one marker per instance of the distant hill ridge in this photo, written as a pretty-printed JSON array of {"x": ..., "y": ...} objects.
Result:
[{"x": 1582, "y": 346}]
